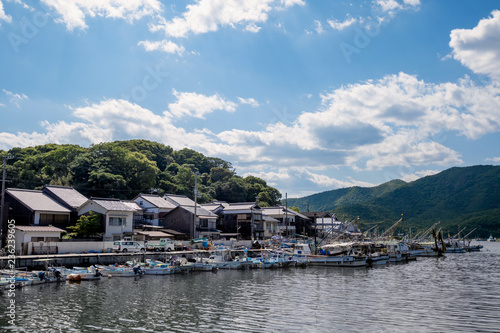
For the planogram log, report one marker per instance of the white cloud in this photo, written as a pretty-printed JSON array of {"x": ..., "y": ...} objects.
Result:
[
  {"x": 197, "y": 105},
  {"x": 388, "y": 5},
  {"x": 318, "y": 27},
  {"x": 164, "y": 45},
  {"x": 338, "y": 25},
  {"x": 14, "y": 98},
  {"x": 290, "y": 3},
  {"x": 418, "y": 175},
  {"x": 3, "y": 16},
  {"x": 251, "y": 101},
  {"x": 208, "y": 15},
  {"x": 253, "y": 28},
  {"x": 74, "y": 12},
  {"x": 328, "y": 182},
  {"x": 493, "y": 159},
  {"x": 479, "y": 48},
  {"x": 398, "y": 120}
]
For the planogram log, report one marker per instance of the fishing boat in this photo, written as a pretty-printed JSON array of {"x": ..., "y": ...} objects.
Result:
[
  {"x": 333, "y": 255},
  {"x": 120, "y": 271},
  {"x": 83, "y": 273},
  {"x": 221, "y": 257},
  {"x": 156, "y": 267}
]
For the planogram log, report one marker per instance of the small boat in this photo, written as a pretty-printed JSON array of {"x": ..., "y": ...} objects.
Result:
[
  {"x": 491, "y": 239},
  {"x": 221, "y": 257},
  {"x": 156, "y": 267},
  {"x": 80, "y": 273},
  {"x": 121, "y": 271}
]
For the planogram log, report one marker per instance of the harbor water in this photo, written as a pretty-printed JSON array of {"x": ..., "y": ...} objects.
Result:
[{"x": 457, "y": 293}]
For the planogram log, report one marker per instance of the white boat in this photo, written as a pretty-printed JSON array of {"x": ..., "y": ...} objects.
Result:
[
  {"x": 491, "y": 239},
  {"x": 221, "y": 257},
  {"x": 120, "y": 271},
  {"x": 335, "y": 255},
  {"x": 80, "y": 273}
]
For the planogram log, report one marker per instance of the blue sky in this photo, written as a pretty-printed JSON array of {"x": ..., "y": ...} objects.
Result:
[{"x": 308, "y": 95}]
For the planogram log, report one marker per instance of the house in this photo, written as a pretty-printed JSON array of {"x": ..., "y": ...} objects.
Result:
[
  {"x": 216, "y": 207},
  {"x": 67, "y": 197},
  {"x": 189, "y": 218},
  {"x": 291, "y": 222},
  {"x": 244, "y": 219},
  {"x": 30, "y": 207},
  {"x": 154, "y": 208},
  {"x": 117, "y": 216},
  {"x": 319, "y": 221},
  {"x": 40, "y": 237},
  {"x": 182, "y": 219},
  {"x": 138, "y": 213}
]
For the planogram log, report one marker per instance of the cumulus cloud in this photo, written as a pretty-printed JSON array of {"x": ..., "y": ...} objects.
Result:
[
  {"x": 479, "y": 48},
  {"x": 393, "y": 5},
  {"x": 209, "y": 15},
  {"x": 393, "y": 121},
  {"x": 74, "y": 12},
  {"x": 3, "y": 16},
  {"x": 198, "y": 105},
  {"x": 164, "y": 45}
]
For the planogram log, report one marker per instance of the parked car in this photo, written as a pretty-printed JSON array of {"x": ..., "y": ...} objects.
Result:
[
  {"x": 128, "y": 246},
  {"x": 164, "y": 244}
]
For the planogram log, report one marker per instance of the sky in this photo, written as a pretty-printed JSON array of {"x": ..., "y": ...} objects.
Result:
[{"x": 308, "y": 95}]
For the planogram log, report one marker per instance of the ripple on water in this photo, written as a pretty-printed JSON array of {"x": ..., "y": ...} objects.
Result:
[{"x": 459, "y": 293}]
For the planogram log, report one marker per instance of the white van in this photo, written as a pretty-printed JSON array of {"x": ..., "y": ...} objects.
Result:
[{"x": 128, "y": 246}]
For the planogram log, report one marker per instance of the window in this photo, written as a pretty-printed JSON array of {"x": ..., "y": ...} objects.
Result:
[
  {"x": 117, "y": 221},
  {"x": 37, "y": 239}
]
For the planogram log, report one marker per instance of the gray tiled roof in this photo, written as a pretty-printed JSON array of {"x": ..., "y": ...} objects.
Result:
[
  {"x": 38, "y": 228},
  {"x": 113, "y": 205},
  {"x": 157, "y": 201},
  {"x": 240, "y": 206},
  {"x": 200, "y": 212},
  {"x": 67, "y": 194},
  {"x": 181, "y": 200},
  {"x": 36, "y": 201},
  {"x": 133, "y": 205}
]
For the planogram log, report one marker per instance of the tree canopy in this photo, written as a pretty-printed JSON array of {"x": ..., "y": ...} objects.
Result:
[{"x": 123, "y": 169}]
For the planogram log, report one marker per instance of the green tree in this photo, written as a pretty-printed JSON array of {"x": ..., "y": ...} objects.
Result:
[{"x": 86, "y": 226}]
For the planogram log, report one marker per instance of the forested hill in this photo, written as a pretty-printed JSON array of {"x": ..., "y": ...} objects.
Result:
[
  {"x": 123, "y": 169},
  {"x": 458, "y": 197}
]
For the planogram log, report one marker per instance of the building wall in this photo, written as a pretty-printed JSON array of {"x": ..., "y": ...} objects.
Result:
[
  {"x": 179, "y": 220},
  {"x": 37, "y": 219},
  {"x": 109, "y": 231},
  {"x": 118, "y": 230}
]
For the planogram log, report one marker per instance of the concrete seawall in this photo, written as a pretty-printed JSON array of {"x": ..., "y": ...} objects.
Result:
[{"x": 86, "y": 259}]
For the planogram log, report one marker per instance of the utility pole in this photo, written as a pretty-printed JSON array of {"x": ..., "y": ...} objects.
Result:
[
  {"x": 286, "y": 214},
  {"x": 195, "y": 201},
  {"x": 4, "y": 174}
]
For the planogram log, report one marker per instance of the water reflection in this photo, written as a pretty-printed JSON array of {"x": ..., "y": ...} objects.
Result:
[{"x": 458, "y": 293}]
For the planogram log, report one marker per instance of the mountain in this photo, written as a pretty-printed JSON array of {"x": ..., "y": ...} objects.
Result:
[{"x": 457, "y": 197}]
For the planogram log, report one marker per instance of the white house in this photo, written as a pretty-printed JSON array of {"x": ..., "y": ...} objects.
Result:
[
  {"x": 154, "y": 208},
  {"x": 117, "y": 219},
  {"x": 43, "y": 237}
]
